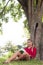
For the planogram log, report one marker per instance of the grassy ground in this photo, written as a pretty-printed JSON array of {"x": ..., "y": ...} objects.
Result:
[{"x": 30, "y": 62}]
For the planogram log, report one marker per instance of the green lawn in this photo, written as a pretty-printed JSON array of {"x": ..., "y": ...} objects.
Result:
[{"x": 30, "y": 62}]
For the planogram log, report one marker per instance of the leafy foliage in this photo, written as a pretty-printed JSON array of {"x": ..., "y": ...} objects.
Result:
[
  {"x": 9, "y": 47},
  {"x": 26, "y": 24},
  {"x": 11, "y": 6}
]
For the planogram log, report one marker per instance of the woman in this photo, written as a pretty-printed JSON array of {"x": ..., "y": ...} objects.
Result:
[{"x": 25, "y": 53}]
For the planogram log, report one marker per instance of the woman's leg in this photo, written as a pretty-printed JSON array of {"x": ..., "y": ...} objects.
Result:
[
  {"x": 13, "y": 57},
  {"x": 24, "y": 56},
  {"x": 19, "y": 55}
]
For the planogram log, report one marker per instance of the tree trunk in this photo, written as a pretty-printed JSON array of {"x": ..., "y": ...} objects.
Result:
[
  {"x": 41, "y": 45},
  {"x": 37, "y": 37}
]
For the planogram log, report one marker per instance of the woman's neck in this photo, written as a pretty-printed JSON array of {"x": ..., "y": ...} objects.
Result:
[{"x": 30, "y": 47}]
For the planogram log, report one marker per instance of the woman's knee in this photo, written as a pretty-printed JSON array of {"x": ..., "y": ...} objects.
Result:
[{"x": 18, "y": 53}]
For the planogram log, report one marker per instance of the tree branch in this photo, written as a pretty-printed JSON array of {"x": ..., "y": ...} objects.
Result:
[
  {"x": 23, "y": 2},
  {"x": 4, "y": 7}
]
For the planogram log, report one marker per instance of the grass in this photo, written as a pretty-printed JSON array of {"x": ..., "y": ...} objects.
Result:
[{"x": 30, "y": 62}]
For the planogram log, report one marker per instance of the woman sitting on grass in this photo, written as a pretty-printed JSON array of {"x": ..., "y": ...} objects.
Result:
[{"x": 25, "y": 53}]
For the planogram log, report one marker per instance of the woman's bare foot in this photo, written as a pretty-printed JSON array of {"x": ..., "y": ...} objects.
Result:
[{"x": 6, "y": 62}]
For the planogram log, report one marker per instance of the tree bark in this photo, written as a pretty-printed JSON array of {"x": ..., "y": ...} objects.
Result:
[{"x": 41, "y": 45}]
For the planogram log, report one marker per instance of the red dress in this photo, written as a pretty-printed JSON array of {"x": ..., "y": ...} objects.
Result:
[{"x": 30, "y": 52}]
